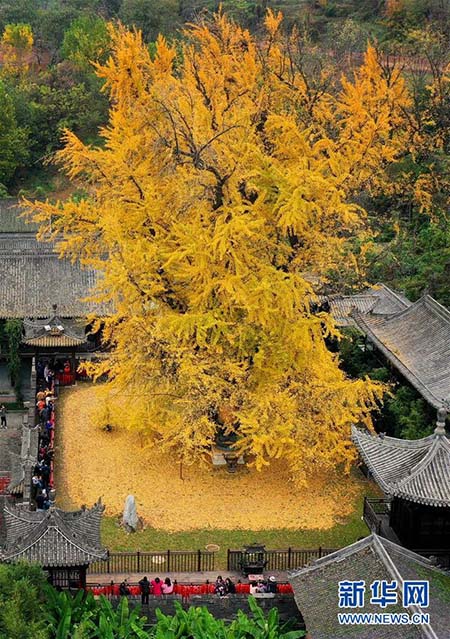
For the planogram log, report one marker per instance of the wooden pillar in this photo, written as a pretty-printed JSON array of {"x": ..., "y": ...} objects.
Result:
[{"x": 74, "y": 363}]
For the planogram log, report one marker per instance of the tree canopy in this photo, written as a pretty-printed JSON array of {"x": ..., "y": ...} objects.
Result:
[
  {"x": 225, "y": 180},
  {"x": 22, "y": 593},
  {"x": 13, "y": 137}
]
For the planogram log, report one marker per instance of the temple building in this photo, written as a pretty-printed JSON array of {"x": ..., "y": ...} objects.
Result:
[
  {"x": 63, "y": 543},
  {"x": 34, "y": 277},
  {"x": 48, "y": 293},
  {"x": 415, "y": 477},
  {"x": 371, "y": 560}
]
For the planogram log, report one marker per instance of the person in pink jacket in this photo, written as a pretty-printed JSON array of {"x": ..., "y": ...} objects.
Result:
[{"x": 167, "y": 586}]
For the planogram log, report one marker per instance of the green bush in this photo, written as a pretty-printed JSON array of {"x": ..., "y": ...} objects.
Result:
[
  {"x": 84, "y": 617},
  {"x": 22, "y": 607},
  {"x": 198, "y": 623}
]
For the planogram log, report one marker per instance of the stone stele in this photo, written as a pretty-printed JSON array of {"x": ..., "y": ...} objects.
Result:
[{"x": 130, "y": 519}]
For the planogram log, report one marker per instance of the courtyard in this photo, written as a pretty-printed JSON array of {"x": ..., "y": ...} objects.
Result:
[{"x": 205, "y": 505}]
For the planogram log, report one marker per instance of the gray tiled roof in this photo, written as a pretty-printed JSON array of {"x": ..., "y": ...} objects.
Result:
[
  {"x": 379, "y": 299},
  {"x": 373, "y": 558},
  {"x": 33, "y": 278},
  {"x": 53, "y": 537},
  {"x": 11, "y": 220},
  {"x": 54, "y": 331},
  {"x": 417, "y": 470},
  {"x": 417, "y": 342}
]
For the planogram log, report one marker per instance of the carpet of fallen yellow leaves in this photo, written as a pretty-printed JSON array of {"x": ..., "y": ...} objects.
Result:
[{"x": 91, "y": 463}]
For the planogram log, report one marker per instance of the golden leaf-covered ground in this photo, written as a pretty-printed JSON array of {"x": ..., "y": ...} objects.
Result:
[{"x": 91, "y": 463}]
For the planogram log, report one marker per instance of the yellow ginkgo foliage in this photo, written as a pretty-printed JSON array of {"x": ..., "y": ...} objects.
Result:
[{"x": 221, "y": 181}]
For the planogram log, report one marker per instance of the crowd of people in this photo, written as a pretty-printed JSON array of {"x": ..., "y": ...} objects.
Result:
[
  {"x": 261, "y": 586},
  {"x": 155, "y": 587},
  {"x": 224, "y": 587},
  {"x": 227, "y": 587},
  {"x": 221, "y": 587},
  {"x": 46, "y": 396}
]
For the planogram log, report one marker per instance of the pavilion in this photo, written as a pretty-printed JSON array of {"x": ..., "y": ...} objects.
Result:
[
  {"x": 63, "y": 543},
  {"x": 415, "y": 477},
  {"x": 316, "y": 591}
]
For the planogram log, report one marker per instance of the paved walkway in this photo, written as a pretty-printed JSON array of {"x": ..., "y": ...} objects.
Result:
[{"x": 180, "y": 577}]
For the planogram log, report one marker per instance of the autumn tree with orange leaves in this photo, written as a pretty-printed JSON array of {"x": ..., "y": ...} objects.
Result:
[{"x": 224, "y": 178}]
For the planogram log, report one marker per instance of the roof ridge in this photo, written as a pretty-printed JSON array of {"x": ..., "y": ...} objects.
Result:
[
  {"x": 40, "y": 534},
  {"x": 341, "y": 553},
  {"x": 436, "y": 307},
  {"x": 402, "y": 443},
  {"x": 425, "y": 461},
  {"x": 14, "y": 510},
  {"x": 404, "y": 311},
  {"x": 399, "y": 298},
  {"x": 390, "y": 566},
  {"x": 371, "y": 540},
  {"x": 386, "y": 559},
  {"x": 406, "y": 552}
]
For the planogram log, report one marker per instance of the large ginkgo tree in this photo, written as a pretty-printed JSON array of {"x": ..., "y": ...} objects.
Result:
[{"x": 224, "y": 178}]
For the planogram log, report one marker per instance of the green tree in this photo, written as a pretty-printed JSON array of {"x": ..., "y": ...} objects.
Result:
[
  {"x": 52, "y": 23},
  {"x": 150, "y": 16},
  {"x": 406, "y": 415},
  {"x": 417, "y": 260},
  {"x": 14, "y": 144},
  {"x": 12, "y": 11},
  {"x": 59, "y": 97},
  {"x": 86, "y": 41}
]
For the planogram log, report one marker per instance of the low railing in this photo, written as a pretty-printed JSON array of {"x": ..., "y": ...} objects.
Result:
[
  {"x": 374, "y": 510},
  {"x": 167, "y": 561},
  {"x": 288, "y": 559}
]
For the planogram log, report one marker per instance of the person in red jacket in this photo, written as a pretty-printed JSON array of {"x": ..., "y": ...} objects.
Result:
[{"x": 157, "y": 586}]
